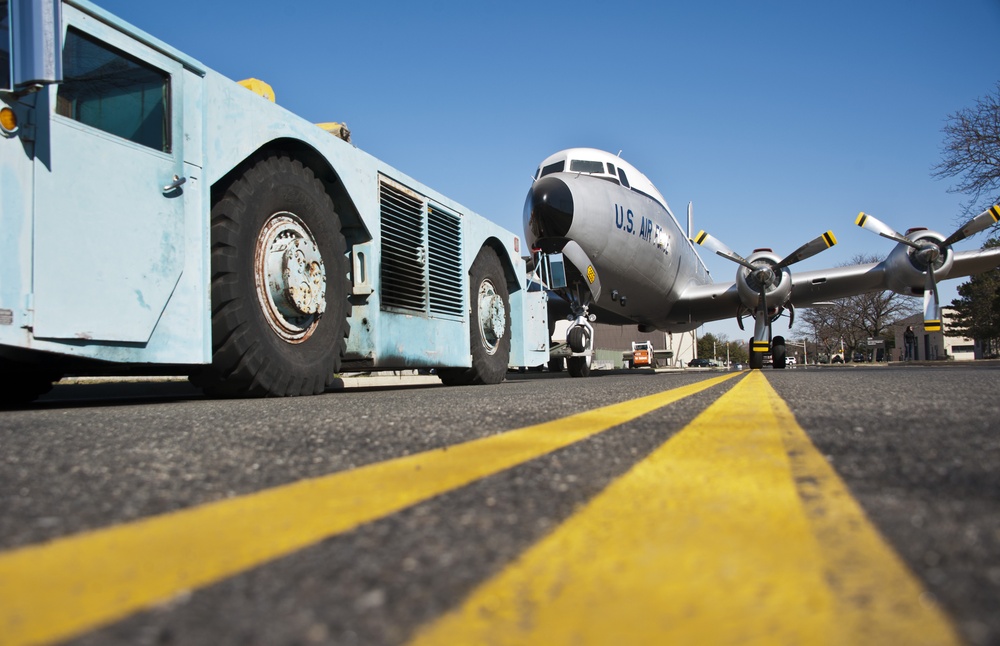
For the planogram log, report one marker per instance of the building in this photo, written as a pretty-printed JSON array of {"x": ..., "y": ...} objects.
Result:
[{"x": 933, "y": 346}]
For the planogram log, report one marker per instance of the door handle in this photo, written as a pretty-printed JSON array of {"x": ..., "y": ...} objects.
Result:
[{"x": 178, "y": 181}]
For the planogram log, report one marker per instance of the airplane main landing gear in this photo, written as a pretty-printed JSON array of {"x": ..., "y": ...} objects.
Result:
[{"x": 778, "y": 352}]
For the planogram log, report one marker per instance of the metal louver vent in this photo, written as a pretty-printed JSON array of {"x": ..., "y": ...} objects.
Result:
[
  {"x": 404, "y": 281},
  {"x": 421, "y": 269},
  {"x": 444, "y": 239}
]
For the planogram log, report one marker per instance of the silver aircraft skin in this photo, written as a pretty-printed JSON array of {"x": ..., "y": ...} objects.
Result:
[{"x": 629, "y": 261}]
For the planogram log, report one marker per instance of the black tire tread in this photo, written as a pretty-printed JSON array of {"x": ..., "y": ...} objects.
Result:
[{"x": 246, "y": 361}]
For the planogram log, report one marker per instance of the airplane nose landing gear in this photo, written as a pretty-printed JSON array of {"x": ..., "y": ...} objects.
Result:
[{"x": 581, "y": 341}]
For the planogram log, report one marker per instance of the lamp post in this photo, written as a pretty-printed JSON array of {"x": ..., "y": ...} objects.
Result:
[{"x": 805, "y": 357}]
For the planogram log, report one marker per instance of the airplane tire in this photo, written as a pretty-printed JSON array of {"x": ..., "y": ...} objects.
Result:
[
  {"x": 578, "y": 338},
  {"x": 756, "y": 360},
  {"x": 557, "y": 364},
  {"x": 778, "y": 353},
  {"x": 578, "y": 366},
  {"x": 489, "y": 322},
  {"x": 279, "y": 285}
]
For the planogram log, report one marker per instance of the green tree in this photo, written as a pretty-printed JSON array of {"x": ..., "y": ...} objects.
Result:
[
  {"x": 971, "y": 153},
  {"x": 711, "y": 346},
  {"x": 737, "y": 352},
  {"x": 978, "y": 308},
  {"x": 708, "y": 346}
]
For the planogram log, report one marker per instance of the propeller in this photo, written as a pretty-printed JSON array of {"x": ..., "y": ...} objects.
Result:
[
  {"x": 765, "y": 275},
  {"x": 928, "y": 252}
]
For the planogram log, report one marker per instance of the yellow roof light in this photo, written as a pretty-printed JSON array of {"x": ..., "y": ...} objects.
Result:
[
  {"x": 258, "y": 86},
  {"x": 8, "y": 120}
]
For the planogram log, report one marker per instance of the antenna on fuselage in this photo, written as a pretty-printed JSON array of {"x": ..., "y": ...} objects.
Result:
[{"x": 620, "y": 152}]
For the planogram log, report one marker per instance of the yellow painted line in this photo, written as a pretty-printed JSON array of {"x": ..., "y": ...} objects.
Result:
[
  {"x": 60, "y": 589},
  {"x": 708, "y": 541}
]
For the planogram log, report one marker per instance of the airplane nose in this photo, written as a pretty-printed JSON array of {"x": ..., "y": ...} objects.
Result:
[{"x": 548, "y": 211}]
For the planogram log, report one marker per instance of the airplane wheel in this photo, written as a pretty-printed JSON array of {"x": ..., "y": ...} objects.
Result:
[
  {"x": 490, "y": 325},
  {"x": 578, "y": 366},
  {"x": 578, "y": 338},
  {"x": 778, "y": 352},
  {"x": 756, "y": 358},
  {"x": 557, "y": 364}
]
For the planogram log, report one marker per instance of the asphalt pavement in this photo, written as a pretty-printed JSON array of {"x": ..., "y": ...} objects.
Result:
[{"x": 916, "y": 446}]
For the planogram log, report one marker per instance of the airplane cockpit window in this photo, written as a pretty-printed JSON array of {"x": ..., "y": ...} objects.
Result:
[
  {"x": 557, "y": 167},
  {"x": 584, "y": 166},
  {"x": 621, "y": 176},
  {"x": 611, "y": 169}
]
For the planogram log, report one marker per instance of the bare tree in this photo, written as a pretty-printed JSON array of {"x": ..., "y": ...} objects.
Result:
[
  {"x": 972, "y": 153},
  {"x": 855, "y": 319}
]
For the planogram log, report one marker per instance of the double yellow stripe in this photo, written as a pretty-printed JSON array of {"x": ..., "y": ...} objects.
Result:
[
  {"x": 63, "y": 588},
  {"x": 719, "y": 537}
]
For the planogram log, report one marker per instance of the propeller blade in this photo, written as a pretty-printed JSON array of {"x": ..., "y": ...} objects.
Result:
[
  {"x": 809, "y": 249},
  {"x": 932, "y": 313},
  {"x": 982, "y": 221},
  {"x": 870, "y": 223},
  {"x": 716, "y": 245}
]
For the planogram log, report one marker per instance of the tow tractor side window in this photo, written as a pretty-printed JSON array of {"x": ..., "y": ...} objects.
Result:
[
  {"x": 109, "y": 90},
  {"x": 4, "y": 45}
]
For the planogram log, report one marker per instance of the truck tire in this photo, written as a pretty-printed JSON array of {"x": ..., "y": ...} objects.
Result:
[
  {"x": 489, "y": 325},
  {"x": 279, "y": 285},
  {"x": 22, "y": 383}
]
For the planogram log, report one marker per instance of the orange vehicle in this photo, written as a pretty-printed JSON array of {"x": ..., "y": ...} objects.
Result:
[{"x": 642, "y": 354}]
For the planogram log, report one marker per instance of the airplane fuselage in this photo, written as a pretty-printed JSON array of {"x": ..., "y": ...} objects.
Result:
[{"x": 633, "y": 242}]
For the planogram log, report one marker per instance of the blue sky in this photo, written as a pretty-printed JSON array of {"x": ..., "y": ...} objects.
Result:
[{"x": 779, "y": 120}]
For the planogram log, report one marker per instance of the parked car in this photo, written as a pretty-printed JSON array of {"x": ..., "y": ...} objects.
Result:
[
  {"x": 699, "y": 363},
  {"x": 790, "y": 361}
]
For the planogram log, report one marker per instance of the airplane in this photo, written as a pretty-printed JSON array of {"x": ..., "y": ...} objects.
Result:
[{"x": 610, "y": 249}]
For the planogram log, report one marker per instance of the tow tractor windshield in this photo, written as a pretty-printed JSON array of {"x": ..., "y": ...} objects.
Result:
[{"x": 4, "y": 45}]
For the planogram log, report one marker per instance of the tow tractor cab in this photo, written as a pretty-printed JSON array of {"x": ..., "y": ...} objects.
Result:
[{"x": 160, "y": 218}]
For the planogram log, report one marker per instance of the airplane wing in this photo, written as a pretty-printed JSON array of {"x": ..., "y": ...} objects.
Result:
[{"x": 717, "y": 301}]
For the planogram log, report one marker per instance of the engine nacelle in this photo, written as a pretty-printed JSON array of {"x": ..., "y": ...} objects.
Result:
[
  {"x": 778, "y": 281},
  {"x": 906, "y": 272}
]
